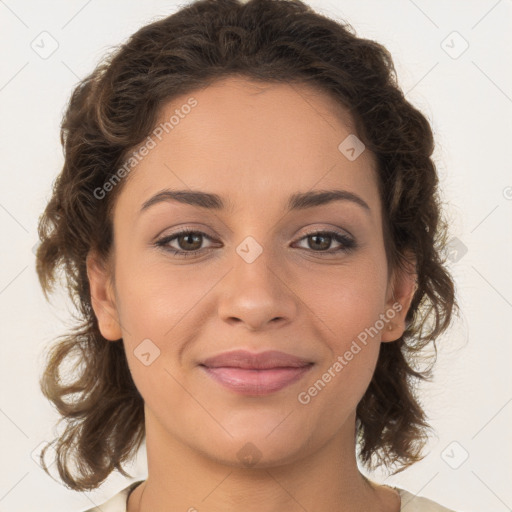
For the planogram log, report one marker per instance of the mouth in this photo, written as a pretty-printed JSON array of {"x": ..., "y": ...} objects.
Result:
[{"x": 256, "y": 374}]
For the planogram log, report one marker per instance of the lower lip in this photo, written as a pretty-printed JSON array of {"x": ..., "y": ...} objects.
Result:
[{"x": 256, "y": 382}]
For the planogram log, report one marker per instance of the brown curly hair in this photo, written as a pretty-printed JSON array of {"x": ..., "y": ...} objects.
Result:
[{"x": 116, "y": 107}]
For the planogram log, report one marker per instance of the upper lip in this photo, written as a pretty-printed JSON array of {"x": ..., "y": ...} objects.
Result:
[{"x": 257, "y": 361}]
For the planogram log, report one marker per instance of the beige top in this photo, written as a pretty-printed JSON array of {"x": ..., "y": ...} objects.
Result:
[{"x": 410, "y": 502}]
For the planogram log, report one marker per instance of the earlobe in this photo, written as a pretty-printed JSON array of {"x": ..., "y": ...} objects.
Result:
[
  {"x": 103, "y": 298},
  {"x": 403, "y": 286}
]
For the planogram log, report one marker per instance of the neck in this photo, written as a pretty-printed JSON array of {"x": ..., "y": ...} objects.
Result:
[{"x": 181, "y": 478}]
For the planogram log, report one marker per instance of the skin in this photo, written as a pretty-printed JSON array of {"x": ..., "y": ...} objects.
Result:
[{"x": 254, "y": 144}]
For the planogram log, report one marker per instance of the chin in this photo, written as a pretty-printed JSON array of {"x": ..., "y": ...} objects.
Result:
[
  {"x": 247, "y": 454},
  {"x": 254, "y": 447}
]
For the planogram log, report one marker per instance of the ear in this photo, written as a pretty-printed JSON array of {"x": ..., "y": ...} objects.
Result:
[
  {"x": 103, "y": 297},
  {"x": 401, "y": 290}
]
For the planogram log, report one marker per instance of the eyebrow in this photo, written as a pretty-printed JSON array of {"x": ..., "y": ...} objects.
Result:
[{"x": 298, "y": 201}]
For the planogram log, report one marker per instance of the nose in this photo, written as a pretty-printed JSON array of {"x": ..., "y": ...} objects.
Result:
[{"x": 257, "y": 294}]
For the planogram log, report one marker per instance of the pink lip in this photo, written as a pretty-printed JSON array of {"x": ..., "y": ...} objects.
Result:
[
  {"x": 259, "y": 361},
  {"x": 256, "y": 374}
]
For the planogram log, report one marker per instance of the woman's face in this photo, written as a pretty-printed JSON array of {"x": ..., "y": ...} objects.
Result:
[{"x": 255, "y": 276}]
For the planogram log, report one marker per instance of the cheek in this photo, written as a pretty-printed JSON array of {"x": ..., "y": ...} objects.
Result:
[
  {"x": 347, "y": 300},
  {"x": 153, "y": 299},
  {"x": 158, "y": 309},
  {"x": 341, "y": 380},
  {"x": 349, "y": 304}
]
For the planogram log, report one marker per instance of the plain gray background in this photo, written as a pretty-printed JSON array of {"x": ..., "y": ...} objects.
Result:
[{"x": 466, "y": 93}]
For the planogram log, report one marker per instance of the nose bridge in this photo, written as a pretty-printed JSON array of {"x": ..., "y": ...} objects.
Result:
[{"x": 255, "y": 292}]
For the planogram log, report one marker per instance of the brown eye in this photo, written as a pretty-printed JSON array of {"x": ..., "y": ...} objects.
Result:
[
  {"x": 321, "y": 241},
  {"x": 187, "y": 243}
]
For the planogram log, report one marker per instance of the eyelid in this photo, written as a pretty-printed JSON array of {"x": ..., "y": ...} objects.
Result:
[
  {"x": 330, "y": 229},
  {"x": 309, "y": 231}
]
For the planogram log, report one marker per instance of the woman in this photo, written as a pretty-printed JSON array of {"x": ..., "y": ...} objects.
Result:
[{"x": 249, "y": 223}]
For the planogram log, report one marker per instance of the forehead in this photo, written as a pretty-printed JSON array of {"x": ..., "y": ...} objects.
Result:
[{"x": 252, "y": 141}]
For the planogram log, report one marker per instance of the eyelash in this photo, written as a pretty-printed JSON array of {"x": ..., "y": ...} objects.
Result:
[{"x": 349, "y": 244}]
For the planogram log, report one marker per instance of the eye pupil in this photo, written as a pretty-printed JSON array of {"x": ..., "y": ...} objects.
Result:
[
  {"x": 325, "y": 245},
  {"x": 188, "y": 237}
]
